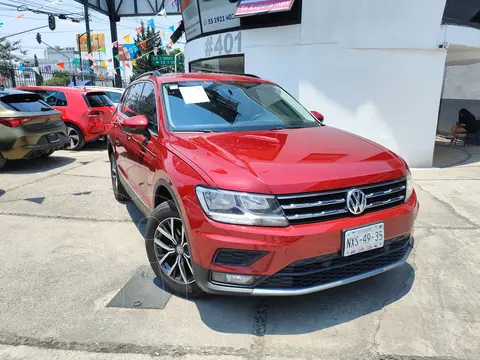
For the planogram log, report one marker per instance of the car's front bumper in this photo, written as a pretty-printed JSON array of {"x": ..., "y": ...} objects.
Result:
[
  {"x": 284, "y": 247},
  {"x": 203, "y": 278}
]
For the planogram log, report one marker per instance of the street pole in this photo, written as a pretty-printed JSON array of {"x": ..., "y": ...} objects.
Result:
[
  {"x": 181, "y": 52},
  {"x": 116, "y": 63},
  {"x": 87, "y": 30},
  {"x": 80, "y": 55}
]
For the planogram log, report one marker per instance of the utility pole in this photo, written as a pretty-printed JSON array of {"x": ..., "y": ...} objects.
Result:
[{"x": 87, "y": 29}]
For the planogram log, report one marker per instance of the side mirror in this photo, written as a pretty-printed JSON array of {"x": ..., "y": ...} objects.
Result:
[
  {"x": 317, "y": 115},
  {"x": 135, "y": 125}
]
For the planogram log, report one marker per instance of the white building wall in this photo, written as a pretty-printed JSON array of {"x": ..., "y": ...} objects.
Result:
[{"x": 372, "y": 67}]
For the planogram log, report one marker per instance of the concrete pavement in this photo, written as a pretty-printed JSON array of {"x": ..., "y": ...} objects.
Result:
[{"x": 68, "y": 248}]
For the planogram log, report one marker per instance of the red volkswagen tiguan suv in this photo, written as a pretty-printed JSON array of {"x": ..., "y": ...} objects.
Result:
[{"x": 248, "y": 193}]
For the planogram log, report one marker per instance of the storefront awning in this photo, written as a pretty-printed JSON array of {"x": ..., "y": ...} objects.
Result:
[{"x": 257, "y": 7}]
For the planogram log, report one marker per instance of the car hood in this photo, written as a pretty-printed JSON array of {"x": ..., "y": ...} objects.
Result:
[{"x": 288, "y": 161}]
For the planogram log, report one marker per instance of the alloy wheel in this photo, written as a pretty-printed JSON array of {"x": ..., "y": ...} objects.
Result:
[
  {"x": 74, "y": 137},
  {"x": 172, "y": 252}
]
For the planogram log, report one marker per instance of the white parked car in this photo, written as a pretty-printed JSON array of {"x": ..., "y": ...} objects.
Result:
[{"x": 114, "y": 94}]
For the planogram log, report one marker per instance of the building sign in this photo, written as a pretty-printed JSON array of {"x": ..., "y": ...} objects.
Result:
[
  {"x": 163, "y": 60},
  {"x": 191, "y": 18},
  {"x": 97, "y": 41},
  {"x": 218, "y": 15},
  {"x": 256, "y": 7},
  {"x": 223, "y": 44}
]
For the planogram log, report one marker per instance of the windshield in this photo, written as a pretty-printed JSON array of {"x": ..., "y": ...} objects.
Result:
[{"x": 221, "y": 106}]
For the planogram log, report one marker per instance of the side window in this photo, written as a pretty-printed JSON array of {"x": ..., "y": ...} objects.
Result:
[
  {"x": 61, "y": 99},
  {"x": 147, "y": 106},
  {"x": 121, "y": 105},
  {"x": 131, "y": 101},
  {"x": 49, "y": 96}
]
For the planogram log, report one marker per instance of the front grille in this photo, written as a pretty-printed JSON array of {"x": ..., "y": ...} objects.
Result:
[
  {"x": 237, "y": 257},
  {"x": 329, "y": 205},
  {"x": 334, "y": 267}
]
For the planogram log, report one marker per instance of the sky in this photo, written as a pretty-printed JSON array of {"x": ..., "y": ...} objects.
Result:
[{"x": 64, "y": 34}]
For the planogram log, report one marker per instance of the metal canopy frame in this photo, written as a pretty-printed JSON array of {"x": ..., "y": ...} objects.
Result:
[
  {"x": 128, "y": 8},
  {"x": 115, "y": 9}
]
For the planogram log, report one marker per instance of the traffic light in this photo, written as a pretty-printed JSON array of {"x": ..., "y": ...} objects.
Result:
[
  {"x": 39, "y": 38},
  {"x": 51, "y": 22}
]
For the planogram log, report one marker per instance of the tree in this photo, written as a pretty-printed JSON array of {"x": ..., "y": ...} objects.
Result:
[
  {"x": 8, "y": 58},
  {"x": 151, "y": 39},
  {"x": 38, "y": 76},
  {"x": 59, "y": 78}
]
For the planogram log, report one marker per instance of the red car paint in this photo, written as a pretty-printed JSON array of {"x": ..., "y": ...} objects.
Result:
[
  {"x": 265, "y": 162},
  {"x": 93, "y": 122}
]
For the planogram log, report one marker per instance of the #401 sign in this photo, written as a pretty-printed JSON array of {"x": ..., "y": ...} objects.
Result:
[{"x": 223, "y": 44}]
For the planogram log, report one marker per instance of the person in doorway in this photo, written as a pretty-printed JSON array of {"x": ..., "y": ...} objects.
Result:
[{"x": 464, "y": 116}]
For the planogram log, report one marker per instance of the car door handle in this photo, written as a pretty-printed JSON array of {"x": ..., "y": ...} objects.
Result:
[{"x": 129, "y": 137}]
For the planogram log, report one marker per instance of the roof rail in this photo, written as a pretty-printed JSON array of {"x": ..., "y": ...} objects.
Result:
[
  {"x": 251, "y": 75},
  {"x": 228, "y": 73},
  {"x": 154, "y": 72}
]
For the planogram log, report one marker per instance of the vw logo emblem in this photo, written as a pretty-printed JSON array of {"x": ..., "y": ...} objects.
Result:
[{"x": 356, "y": 201}]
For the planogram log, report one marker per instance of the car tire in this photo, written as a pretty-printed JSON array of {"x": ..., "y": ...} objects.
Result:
[
  {"x": 118, "y": 190},
  {"x": 171, "y": 260},
  {"x": 75, "y": 135},
  {"x": 3, "y": 161}
]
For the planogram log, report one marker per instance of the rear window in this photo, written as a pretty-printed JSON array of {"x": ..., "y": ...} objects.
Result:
[
  {"x": 95, "y": 100},
  {"x": 24, "y": 103}
]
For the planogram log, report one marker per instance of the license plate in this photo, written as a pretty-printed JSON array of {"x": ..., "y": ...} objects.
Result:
[
  {"x": 53, "y": 138},
  {"x": 362, "y": 239}
]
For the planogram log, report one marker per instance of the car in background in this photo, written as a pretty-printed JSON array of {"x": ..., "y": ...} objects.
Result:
[
  {"x": 87, "y": 113},
  {"x": 29, "y": 127},
  {"x": 114, "y": 94},
  {"x": 248, "y": 193}
]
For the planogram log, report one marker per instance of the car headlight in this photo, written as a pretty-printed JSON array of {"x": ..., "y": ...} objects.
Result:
[
  {"x": 409, "y": 190},
  {"x": 241, "y": 208}
]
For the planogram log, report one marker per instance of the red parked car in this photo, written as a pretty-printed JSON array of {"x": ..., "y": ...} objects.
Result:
[
  {"x": 86, "y": 112},
  {"x": 248, "y": 193}
]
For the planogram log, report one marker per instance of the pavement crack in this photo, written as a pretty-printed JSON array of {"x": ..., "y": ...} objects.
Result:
[
  {"x": 449, "y": 207},
  {"x": 122, "y": 348},
  {"x": 259, "y": 328},
  {"x": 62, "y": 217}
]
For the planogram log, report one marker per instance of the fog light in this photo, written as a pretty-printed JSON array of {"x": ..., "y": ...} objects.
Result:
[{"x": 233, "y": 278}]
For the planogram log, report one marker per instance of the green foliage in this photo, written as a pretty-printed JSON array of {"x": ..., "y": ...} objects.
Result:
[
  {"x": 38, "y": 77},
  {"x": 152, "y": 39},
  {"x": 7, "y": 56},
  {"x": 59, "y": 78}
]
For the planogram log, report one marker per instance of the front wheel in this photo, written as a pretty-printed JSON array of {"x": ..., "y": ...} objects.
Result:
[
  {"x": 118, "y": 190},
  {"x": 168, "y": 251}
]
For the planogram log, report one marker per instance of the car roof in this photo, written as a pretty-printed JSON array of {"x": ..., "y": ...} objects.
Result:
[
  {"x": 179, "y": 77},
  {"x": 12, "y": 92},
  {"x": 59, "y": 88},
  {"x": 102, "y": 88}
]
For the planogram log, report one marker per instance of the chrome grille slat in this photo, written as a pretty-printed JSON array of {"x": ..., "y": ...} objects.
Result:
[
  {"x": 386, "y": 202},
  {"x": 386, "y": 192},
  {"x": 313, "y": 204},
  {"x": 316, "y": 215},
  {"x": 331, "y": 204}
]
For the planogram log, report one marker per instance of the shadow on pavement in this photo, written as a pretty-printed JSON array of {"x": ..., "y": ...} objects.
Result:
[
  {"x": 34, "y": 166},
  {"x": 138, "y": 218},
  {"x": 309, "y": 313}
]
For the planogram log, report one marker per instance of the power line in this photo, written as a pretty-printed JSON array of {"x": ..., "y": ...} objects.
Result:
[{"x": 23, "y": 32}]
